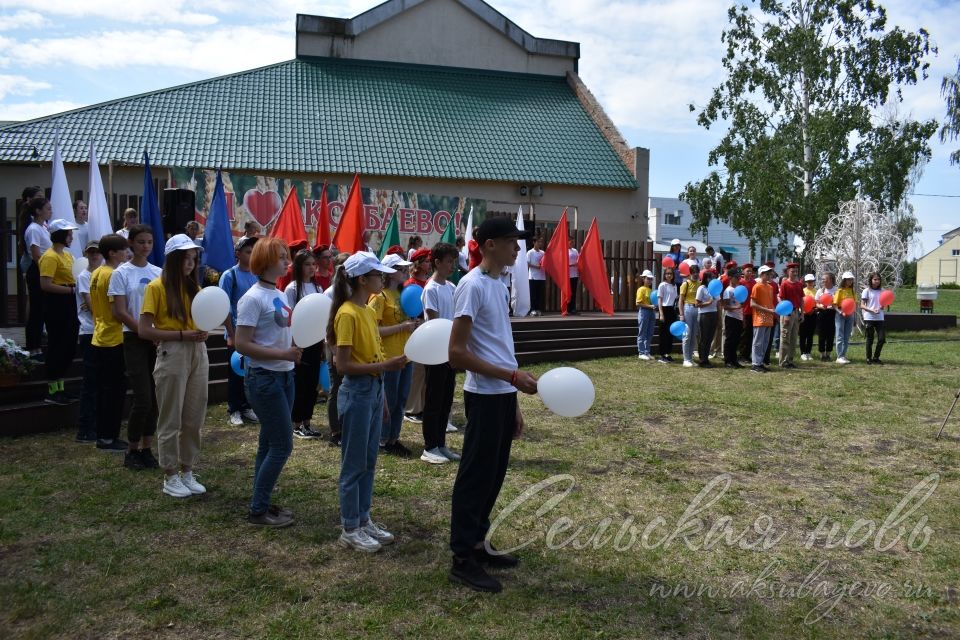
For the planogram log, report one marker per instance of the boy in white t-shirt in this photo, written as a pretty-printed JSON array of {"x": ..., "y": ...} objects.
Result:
[
  {"x": 732, "y": 320},
  {"x": 573, "y": 256},
  {"x": 537, "y": 277},
  {"x": 481, "y": 342},
  {"x": 87, "y": 423}
]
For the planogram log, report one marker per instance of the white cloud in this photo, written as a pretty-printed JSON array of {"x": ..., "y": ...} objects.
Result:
[
  {"x": 19, "y": 86},
  {"x": 30, "y": 110},
  {"x": 140, "y": 11},
  {"x": 21, "y": 20}
]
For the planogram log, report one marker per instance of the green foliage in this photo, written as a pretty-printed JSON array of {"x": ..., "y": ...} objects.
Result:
[
  {"x": 909, "y": 274},
  {"x": 804, "y": 82},
  {"x": 950, "y": 90}
]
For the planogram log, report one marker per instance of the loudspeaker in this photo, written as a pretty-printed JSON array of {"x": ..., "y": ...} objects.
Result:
[{"x": 177, "y": 209}]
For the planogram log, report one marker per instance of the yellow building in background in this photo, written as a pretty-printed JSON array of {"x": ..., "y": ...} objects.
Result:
[{"x": 942, "y": 265}]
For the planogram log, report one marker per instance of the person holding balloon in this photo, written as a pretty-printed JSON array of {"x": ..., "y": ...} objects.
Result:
[
  {"x": 733, "y": 297},
  {"x": 706, "y": 302},
  {"x": 809, "y": 323},
  {"x": 689, "y": 309},
  {"x": 361, "y": 362},
  {"x": 307, "y": 371},
  {"x": 791, "y": 290},
  {"x": 264, "y": 338},
  {"x": 762, "y": 301},
  {"x": 236, "y": 281},
  {"x": 667, "y": 305},
  {"x": 872, "y": 301},
  {"x": 826, "y": 315},
  {"x": 747, "y": 281},
  {"x": 182, "y": 369},
  {"x": 481, "y": 342},
  {"x": 646, "y": 314},
  {"x": 845, "y": 301}
]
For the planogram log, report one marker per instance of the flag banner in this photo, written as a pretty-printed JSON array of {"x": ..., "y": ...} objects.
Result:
[
  {"x": 556, "y": 261},
  {"x": 260, "y": 198},
  {"x": 150, "y": 213},
  {"x": 98, "y": 212},
  {"x": 520, "y": 291},
  {"x": 217, "y": 239},
  {"x": 289, "y": 224},
  {"x": 593, "y": 270},
  {"x": 60, "y": 201}
]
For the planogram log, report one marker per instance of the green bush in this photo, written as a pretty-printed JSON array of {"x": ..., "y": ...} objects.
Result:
[{"x": 949, "y": 285}]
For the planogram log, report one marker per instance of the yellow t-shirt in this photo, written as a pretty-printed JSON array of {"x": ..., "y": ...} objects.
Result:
[
  {"x": 386, "y": 308},
  {"x": 356, "y": 327},
  {"x": 107, "y": 330},
  {"x": 688, "y": 291},
  {"x": 155, "y": 302},
  {"x": 643, "y": 295},
  {"x": 807, "y": 291},
  {"x": 58, "y": 266},
  {"x": 841, "y": 295}
]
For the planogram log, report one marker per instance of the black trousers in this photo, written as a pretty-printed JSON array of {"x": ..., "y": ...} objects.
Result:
[
  {"x": 439, "y": 383},
  {"x": 306, "y": 378},
  {"x": 708, "y": 327},
  {"x": 826, "y": 329},
  {"x": 746, "y": 338},
  {"x": 732, "y": 332},
  {"x": 663, "y": 330},
  {"x": 87, "y": 422},
  {"x": 63, "y": 329},
  {"x": 333, "y": 418},
  {"x": 111, "y": 389},
  {"x": 236, "y": 396},
  {"x": 491, "y": 421},
  {"x": 538, "y": 290},
  {"x": 875, "y": 328},
  {"x": 34, "y": 334},
  {"x": 572, "y": 305},
  {"x": 139, "y": 359},
  {"x": 807, "y": 327}
]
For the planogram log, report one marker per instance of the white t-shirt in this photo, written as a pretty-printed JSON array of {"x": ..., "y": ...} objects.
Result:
[
  {"x": 487, "y": 302},
  {"x": 438, "y": 297},
  {"x": 37, "y": 234},
  {"x": 534, "y": 264},
  {"x": 667, "y": 294},
  {"x": 871, "y": 297},
  {"x": 85, "y": 317},
  {"x": 266, "y": 310},
  {"x": 130, "y": 280},
  {"x": 703, "y": 296},
  {"x": 462, "y": 259},
  {"x": 124, "y": 232},
  {"x": 822, "y": 290},
  {"x": 573, "y": 255},
  {"x": 306, "y": 289},
  {"x": 81, "y": 236},
  {"x": 735, "y": 312}
]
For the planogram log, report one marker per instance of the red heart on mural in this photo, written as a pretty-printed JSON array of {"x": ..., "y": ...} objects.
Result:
[{"x": 262, "y": 205}]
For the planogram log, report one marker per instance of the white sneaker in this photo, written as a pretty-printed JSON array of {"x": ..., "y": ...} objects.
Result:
[
  {"x": 688, "y": 363},
  {"x": 377, "y": 532},
  {"x": 804, "y": 356},
  {"x": 191, "y": 484},
  {"x": 249, "y": 415},
  {"x": 433, "y": 456},
  {"x": 449, "y": 455},
  {"x": 842, "y": 361},
  {"x": 643, "y": 356},
  {"x": 235, "y": 419},
  {"x": 359, "y": 539},
  {"x": 451, "y": 428},
  {"x": 172, "y": 486}
]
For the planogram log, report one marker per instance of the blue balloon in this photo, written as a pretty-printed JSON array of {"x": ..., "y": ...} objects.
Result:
[
  {"x": 715, "y": 288},
  {"x": 740, "y": 294},
  {"x": 785, "y": 308},
  {"x": 411, "y": 300},
  {"x": 678, "y": 328},
  {"x": 238, "y": 364},
  {"x": 654, "y": 299},
  {"x": 325, "y": 377}
]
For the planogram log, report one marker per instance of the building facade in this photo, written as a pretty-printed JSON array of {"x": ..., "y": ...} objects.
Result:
[{"x": 942, "y": 265}]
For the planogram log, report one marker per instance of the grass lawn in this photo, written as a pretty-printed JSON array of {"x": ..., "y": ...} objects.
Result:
[
  {"x": 948, "y": 301},
  {"x": 91, "y": 550}
]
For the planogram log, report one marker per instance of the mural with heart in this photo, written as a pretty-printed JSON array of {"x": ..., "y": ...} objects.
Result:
[{"x": 259, "y": 198}]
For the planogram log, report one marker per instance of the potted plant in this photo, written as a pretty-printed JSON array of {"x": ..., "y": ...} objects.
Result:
[{"x": 14, "y": 363}]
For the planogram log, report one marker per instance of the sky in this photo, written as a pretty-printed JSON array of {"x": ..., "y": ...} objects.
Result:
[{"x": 644, "y": 60}]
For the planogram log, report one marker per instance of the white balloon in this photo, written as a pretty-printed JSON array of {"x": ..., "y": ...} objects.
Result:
[
  {"x": 430, "y": 342},
  {"x": 566, "y": 391},
  {"x": 210, "y": 308},
  {"x": 79, "y": 265},
  {"x": 310, "y": 317}
]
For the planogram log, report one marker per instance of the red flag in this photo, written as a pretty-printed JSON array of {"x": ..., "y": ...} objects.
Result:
[
  {"x": 593, "y": 270},
  {"x": 349, "y": 235},
  {"x": 289, "y": 224},
  {"x": 556, "y": 261},
  {"x": 323, "y": 222}
]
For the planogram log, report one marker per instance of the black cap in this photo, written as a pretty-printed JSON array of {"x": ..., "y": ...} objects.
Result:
[
  {"x": 245, "y": 242},
  {"x": 501, "y": 227}
]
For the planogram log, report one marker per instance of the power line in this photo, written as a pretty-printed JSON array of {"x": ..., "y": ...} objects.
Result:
[{"x": 936, "y": 195}]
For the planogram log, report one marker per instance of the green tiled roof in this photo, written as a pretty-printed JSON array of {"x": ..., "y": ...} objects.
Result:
[{"x": 335, "y": 116}]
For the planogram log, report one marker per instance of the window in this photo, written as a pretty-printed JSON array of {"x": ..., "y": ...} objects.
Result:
[
  {"x": 955, "y": 252},
  {"x": 672, "y": 218}
]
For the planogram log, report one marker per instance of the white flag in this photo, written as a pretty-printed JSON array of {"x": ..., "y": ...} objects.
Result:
[
  {"x": 520, "y": 293},
  {"x": 98, "y": 221},
  {"x": 467, "y": 237},
  {"x": 60, "y": 201}
]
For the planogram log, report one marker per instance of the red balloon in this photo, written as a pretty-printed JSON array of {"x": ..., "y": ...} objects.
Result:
[
  {"x": 848, "y": 306},
  {"x": 886, "y": 298},
  {"x": 826, "y": 299},
  {"x": 667, "y": 262},
  {"x": 808, "y": 304},
  {"x": 684, "y": 269}
]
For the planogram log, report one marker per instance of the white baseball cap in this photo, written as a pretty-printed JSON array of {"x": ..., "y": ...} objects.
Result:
[
  {"x": 809, "y": 276},
  {"x": 764, "y": 269},
  {"x": 848, "y": 274},
  {"x": 61, "y": 225},
  {"x": 393, "y": 260},
  {"x": 362, "y": 263},
  {"x": 675, "y": 241},
  {"x": 646, "y": 274},
  {"x": 179, "y": 242}
]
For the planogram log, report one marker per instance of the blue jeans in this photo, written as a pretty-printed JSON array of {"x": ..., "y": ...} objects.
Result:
[
  {"x": 396, "y": 388},
  {"x": 691, "y": 316},
  {"x": 360, "y": 405},
  {"x": 844, "y": 327},
  {"x": 270, "y": 394},
  {"x": 645, "y": 318}
]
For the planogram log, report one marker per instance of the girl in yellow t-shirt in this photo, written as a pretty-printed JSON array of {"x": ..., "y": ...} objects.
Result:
[
  {"x": 182, "y": 368},
  {"x": 646, "y": 316},
  {"x": 844, "y": 321},
  {"x": 59, "y": 308}
]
